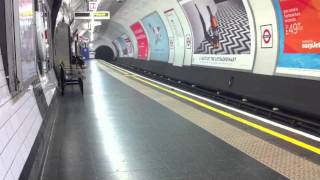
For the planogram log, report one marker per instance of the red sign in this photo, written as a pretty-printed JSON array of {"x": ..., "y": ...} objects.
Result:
[
  {"x": 266, "y": 36},
  {"x": 301, "y": 25},
  {"x": 143, "y": 45},
  {"x": 93, "y": 6}
]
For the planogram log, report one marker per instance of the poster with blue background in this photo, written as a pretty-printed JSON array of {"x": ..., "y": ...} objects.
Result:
[
  {"x": 123, "y": 45},
  {"x": 158, "y": 37},
  {"x": 293, "y": 58}
]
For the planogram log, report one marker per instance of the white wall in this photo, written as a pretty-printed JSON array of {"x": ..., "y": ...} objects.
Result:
[
  {"x": 20, "y": 121},
  {"x": 19, "y": 125},
  {"x": 265, "y": 14}
]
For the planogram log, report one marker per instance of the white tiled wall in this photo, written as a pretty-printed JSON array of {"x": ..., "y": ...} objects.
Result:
[
  {"x": 4, "y": 92},
  {"x": 49, "y": 83},
  {"x": 20, "y": 121}
]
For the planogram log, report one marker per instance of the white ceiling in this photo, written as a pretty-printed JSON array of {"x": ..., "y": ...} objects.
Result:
[
  {"x": 123, "y": 15},
  {"x": 130, "y": 12}
]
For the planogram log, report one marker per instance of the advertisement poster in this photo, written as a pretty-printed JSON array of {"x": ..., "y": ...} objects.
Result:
[
  {"x": 158, "y": 37},
  {"x": 142, "y": 40},
  {"x": 125, "y": 45},
  {"x": 27, "y": 40},
  {"x": 41, "y": 39},
  {"x": 299, "y": 37},
  {"x": 128, "y": 46},
  {"x": 117, "y": 45},
  {"x": 178, "y": 37},
  {"x": 222, "y": 34}
]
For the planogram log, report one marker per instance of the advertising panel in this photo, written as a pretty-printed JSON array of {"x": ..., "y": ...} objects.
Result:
[
  {"x": 118, "y": 47},
  {"x": 127, "y": 46},
  {"x": 223, "y": 34},
  {"x": 122, "y": 47},
  {"x": 143, "y": 44},
  {"x": 158, "y": 37},
  {"x": 299, "y": 37},
  {"x": 178, "y": 37},
  {"x": 27, "y": 40}
]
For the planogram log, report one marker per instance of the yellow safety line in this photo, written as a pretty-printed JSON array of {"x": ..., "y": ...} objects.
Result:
[{"x": 231, "y": 116}]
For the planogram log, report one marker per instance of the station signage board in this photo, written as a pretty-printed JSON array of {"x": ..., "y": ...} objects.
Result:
[
  {"x": 92, "y": 5},
  {"x": 89, "y": 15},
  {"x": 266, "y": 36}
]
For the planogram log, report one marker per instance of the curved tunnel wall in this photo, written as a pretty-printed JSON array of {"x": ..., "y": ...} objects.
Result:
[{"x": 244, "y": 40}]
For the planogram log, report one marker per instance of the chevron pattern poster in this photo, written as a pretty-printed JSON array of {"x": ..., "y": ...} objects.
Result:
[{"x": 223, "y": 34}]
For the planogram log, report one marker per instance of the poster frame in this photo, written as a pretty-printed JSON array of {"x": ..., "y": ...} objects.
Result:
[
  {"x": 149, "y": 54},
  {"x": 137, "y": 45},
  {"x": 132, "y": 46},
  {"x": 253, "y": 32},
  {"x": 288, "y": 75}
]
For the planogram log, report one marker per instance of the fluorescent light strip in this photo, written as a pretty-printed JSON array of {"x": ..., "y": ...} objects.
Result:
[{"x": 267, "y": 121}]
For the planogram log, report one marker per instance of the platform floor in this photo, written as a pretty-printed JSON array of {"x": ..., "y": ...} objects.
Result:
[{"x": 117, "y": 132}]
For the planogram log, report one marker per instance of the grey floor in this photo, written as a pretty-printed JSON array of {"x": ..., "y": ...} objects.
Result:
[{"x": 114, "y": 132}]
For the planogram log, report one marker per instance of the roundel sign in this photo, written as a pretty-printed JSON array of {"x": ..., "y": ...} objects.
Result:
[
  {"x": 266, "y": 36},
  {"x": 188, "y": 41}
]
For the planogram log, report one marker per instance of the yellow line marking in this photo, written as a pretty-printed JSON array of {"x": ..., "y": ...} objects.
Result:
[{"x": 230, "y": 116}]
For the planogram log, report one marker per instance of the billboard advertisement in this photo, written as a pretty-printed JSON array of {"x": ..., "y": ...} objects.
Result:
[
  {"x": 142, "y": 40},
  {"x": 223, "y": 34},
  {"x": 125, "y": 45},
  {"x": 118, "y": 47},
  {"x": 158, "y": 37},
  {"x": 27, "y": 40},
  {"x": 178, "y": 37},
  {"x": 299, "y": 37},
  {"x": 128, "y": 45}
]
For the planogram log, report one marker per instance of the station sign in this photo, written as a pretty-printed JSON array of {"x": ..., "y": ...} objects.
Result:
[
  {"x": 266, "y": 36},
  {"x": 188, "y": 41},
  {"x": 89, "y": 15},
  {"x": 93, "y": 5}
]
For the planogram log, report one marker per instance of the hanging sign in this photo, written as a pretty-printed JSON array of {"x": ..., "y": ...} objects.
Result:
[{"x": 96, "y": 15}]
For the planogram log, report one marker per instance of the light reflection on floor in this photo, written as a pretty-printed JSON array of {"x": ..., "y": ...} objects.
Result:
[{"x": 112, "y": 148}]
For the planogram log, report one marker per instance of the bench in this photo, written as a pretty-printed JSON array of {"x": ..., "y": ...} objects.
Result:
[{"x": 70, "y": 76}]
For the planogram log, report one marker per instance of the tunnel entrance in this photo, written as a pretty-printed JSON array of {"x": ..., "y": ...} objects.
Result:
[{"x": 105, "y": 53}]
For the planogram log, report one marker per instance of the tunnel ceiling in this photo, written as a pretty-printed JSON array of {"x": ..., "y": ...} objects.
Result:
[
  {"x": 122, "y": 14},
  {"x": 68, "y": 7}
]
